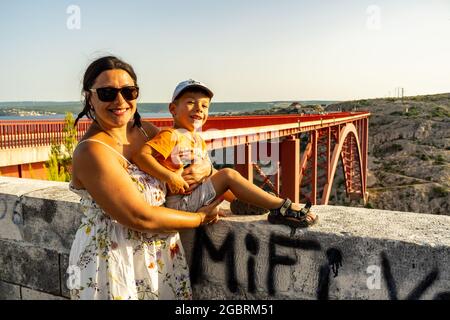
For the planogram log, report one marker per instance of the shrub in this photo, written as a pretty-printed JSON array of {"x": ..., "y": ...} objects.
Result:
[
  {"x": 440, "y": 112},
  {"x": 369, "y": 205},
  {"x": 30, "y": 170},
  {"x": 60, "y": 158},
  {"x": 364, "y": 103},
  {"x": 412, "y": 112},
  {"x": 438, "y": 160},
  {"x": 440, "y": 192},
  {"x": 381, "y": 151},
  {"x": 423, "y": 157}
]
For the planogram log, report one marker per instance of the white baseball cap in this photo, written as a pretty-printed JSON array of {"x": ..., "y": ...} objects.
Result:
[{"x": 190, "y": 84}]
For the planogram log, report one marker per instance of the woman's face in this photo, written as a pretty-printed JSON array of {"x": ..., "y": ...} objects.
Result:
[{"x": 120, "y": 111}]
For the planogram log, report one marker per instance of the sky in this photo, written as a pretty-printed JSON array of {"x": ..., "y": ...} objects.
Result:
[{"x": 244, "y": 50}]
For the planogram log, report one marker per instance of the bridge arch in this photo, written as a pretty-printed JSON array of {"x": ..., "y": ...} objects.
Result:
[{"x": 347, "y": 133}]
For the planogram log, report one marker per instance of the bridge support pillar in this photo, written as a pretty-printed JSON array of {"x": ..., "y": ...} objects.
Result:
[
  {"x": 314, "y": 140},
  {"x": 290, "y": 169},
  {"x": 243, "y": 160}
]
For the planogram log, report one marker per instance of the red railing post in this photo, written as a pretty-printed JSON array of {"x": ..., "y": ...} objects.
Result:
[{"x": 290, "y": 168}]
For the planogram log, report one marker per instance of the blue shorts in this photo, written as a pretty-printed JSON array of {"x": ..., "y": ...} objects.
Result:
[{"x": 203, "y": 195}]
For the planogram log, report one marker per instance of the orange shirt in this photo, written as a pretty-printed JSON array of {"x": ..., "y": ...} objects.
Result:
[{"x": 178, "y": 148}]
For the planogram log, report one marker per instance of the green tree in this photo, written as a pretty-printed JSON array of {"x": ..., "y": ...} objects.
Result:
[{"x": 60, "y": 158}]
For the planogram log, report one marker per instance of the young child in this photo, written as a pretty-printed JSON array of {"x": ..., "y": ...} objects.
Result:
[{"x": 172, "y": 150}]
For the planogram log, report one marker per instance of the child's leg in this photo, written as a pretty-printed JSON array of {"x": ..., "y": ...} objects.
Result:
[{"x": 229, "y": 179}]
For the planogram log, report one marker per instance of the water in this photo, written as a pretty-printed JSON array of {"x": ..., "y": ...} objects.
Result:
[
  {"x": 56, "y": 110},
  {"x": 61, "y": 116},
  {"x": 154, "y": 115}
]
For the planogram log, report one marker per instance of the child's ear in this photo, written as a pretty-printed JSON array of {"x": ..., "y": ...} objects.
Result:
[{"x": 172, "y": 108}]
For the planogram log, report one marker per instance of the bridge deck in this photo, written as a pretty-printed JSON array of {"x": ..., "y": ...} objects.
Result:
[{"x": 218, "y": 131}]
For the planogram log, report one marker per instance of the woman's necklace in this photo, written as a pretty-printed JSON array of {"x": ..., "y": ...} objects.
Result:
[{"x": 120, "y": 144}]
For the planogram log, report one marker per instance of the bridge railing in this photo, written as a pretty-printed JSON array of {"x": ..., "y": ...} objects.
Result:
[{"x": 23, "y": 133}]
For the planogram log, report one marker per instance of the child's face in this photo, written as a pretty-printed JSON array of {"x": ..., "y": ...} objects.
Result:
[{"x": 190, "y": 111}]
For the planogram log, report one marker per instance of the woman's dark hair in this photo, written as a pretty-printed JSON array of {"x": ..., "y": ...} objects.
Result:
[{"x": 91, "y": 74}]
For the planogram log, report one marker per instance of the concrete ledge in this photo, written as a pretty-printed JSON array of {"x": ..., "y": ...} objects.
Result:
[
  {"x": 43, "y": 213},
  {"x": 353, "y": 253}
]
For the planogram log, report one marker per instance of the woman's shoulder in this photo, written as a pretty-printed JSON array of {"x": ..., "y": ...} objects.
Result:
[
  {"x": 92, "y": 156},
  {"x": 150, "y": 129},
  {"x": 88, "y": 148},
  {"x": 85, "y": 157}
]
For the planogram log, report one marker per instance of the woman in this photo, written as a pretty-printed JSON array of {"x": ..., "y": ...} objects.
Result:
[{"x": 127, "y": 246}]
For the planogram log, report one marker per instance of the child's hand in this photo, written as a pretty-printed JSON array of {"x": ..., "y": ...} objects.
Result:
[
  {"x": 197, "y": 171},
  {"x": 176, "y": 184}
]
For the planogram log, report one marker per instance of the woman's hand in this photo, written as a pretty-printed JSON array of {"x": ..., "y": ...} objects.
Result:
[
  {"x": 210, "y": 213},
  {"x": 197, "y": 172}
]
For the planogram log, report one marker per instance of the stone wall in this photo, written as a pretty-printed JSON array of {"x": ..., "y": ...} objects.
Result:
[
  {"x": 38, "y": 220},
  {"x": 353, "y": 253}
]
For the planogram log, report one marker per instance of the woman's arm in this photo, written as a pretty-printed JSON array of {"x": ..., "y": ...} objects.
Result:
[
  {"x": 145, "y": 160},
  {"x": 110, "y": 186}
]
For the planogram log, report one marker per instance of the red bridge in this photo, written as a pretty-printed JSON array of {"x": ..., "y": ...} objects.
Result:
[{"x": 303, "y": 150}]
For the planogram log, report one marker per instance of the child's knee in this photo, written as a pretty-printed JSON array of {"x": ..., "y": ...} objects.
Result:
[{"x": 229, "y": 173}]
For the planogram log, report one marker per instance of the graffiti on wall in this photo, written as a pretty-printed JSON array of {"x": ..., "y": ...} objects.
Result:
[{"x": 333, "y": 261}]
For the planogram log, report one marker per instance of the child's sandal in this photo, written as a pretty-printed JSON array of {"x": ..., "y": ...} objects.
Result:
[{"x": 292, "y": 218}]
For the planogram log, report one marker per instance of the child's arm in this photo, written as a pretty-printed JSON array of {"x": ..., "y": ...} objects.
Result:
[{"x": 145, "y": 160}]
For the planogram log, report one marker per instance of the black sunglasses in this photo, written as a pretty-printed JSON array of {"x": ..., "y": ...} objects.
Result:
[{"x": 109, "y": 94}]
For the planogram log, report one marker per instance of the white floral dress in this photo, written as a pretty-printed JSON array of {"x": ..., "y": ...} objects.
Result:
[{"x": 109, "y": 261}]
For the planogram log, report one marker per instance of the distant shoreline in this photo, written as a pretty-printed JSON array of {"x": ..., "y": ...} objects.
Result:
[{"x": 55, "y": 110}]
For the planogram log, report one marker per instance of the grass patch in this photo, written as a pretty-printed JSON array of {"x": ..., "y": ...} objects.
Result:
[
  {"x": 385, "y": 150},
  {"x": 440, "y": 112},
  {"x": 438, "y": 160},
  {"x": 363, "y": 103},
  {"x": 340, "y": 182},
  {"x": 441, "y": 192},
  {"x": 423, "y": 156},
  {"x": 369, "y": 205},
  {"x": 413, "y": 112}
]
